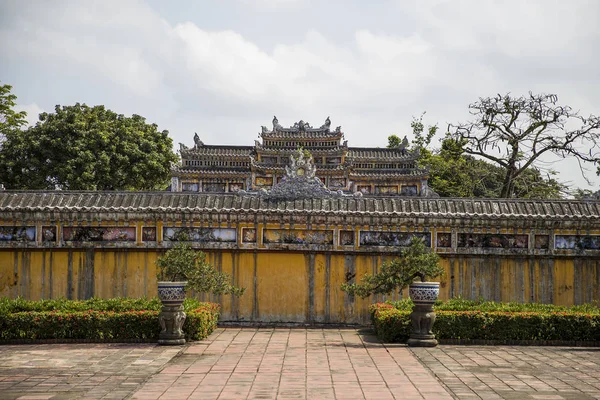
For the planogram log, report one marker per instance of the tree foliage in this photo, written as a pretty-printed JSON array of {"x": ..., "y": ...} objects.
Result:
[
  {"x": 452, "y": 173},
  {"x": 10, "y": 120},
  {"x": 415, "y": 261},
  {"x": 514, "y": 132},
  {"x": 87, "y": 148},
  {"x": 182, "y": 263}
]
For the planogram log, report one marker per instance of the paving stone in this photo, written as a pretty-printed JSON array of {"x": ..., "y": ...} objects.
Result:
[{"x": 511, "y": 372}]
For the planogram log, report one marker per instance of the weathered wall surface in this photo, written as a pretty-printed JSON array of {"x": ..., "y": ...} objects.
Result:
[
  {"x": 292, "y": 256},
  {"x": 293, "y": 286}
]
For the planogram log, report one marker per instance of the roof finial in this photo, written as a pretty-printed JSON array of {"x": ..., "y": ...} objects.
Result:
[{"x": 197, "y": 141}]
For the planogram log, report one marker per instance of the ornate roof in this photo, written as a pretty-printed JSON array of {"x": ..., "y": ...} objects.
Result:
[
  {"x": 301, "y": 129},
  {"x": 174, "y": 202},
  {"x": 333, "y": 150},
  {"x": 383, "y": 154},
  {"x": 221, "y": 151},
  {"x": 299, "y": 181},
  {"x": 237, "y": 172},
  {"x": 388, "y": 174},
  {"x": 262, "y": 166}
]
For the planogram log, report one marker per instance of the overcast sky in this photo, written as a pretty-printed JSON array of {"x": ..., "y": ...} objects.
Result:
[{"x": 223, "y": 68}]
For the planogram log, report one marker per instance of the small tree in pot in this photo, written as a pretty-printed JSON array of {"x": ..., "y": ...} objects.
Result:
[
  {"x": 415, "y": 261},
  {"x": 182, "y": 268}
]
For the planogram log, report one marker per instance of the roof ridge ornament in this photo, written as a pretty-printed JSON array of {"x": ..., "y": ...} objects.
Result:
[
  {"x": 300, "y": 181},
  {"x": 197, "y": 141}
]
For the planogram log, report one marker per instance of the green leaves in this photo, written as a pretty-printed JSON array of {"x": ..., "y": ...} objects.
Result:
[
  {"x": 87, "y": 148},
  {"x": 417, "y": 260},
  {"x": 10, "y": 120},
  {"x": 492, "y": 322},
  {"x": 182, "y": 263},
  {"x": 98, "y": 320}
]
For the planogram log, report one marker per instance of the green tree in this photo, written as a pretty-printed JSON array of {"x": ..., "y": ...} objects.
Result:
[
  {"x": 87, "y": 148},
  {"x": 182, "y": 263},
  {"x": 452, "y": 173},
  {"x": 393, "y": 141},
  {"x": 415, "y": 261},
  {"x": 514, "y": 132},
  {"x": 10, "y": 120}
]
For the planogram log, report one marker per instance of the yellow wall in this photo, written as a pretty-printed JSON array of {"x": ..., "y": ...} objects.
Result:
[{"x": 293, "y": 286}]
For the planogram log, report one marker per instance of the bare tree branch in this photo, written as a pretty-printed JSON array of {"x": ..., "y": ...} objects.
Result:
[{"x": 522, "y": 129}]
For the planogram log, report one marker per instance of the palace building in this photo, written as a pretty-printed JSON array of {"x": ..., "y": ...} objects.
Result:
[{"x": 368, "y": 170}]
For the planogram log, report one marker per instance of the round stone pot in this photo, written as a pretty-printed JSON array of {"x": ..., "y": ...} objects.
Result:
[
  {"x": 424, "y": 295},
  {"x": 171, "y": 317}
]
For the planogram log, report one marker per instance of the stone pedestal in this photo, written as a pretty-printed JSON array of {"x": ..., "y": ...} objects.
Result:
[
  {"x": 424, "y": 295},
  {"x": 171, "y": 320},
  {"x": 422, "y": 319}
]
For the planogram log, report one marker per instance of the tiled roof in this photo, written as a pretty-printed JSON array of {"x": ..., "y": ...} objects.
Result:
[
  {"x": 311, "y": 133},
  {"x": 161, "y": 202},
  {"x": 237, "y": 171},
  {"x": 217, "y": 151},
  {"x": 275, "y": 167},
  {"x": 337, "y": 150},
  {"x": 391, "y": 173},
  {"x": 382, "y": 154}
]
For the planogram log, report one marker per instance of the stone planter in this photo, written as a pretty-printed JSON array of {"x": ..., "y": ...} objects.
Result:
[
  {"x": 171, "y": 317},
  {"x": 424, "y": 295}
]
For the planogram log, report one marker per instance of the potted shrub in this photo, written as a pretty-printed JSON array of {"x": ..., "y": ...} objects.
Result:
[
  {"x": 182, "y": 268},
  {"x": 415, "y": 261}
]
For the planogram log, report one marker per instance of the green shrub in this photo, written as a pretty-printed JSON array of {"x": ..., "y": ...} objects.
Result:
[
  {"x": 547, "y": 323},
  {"x": 98, "y": 320}
]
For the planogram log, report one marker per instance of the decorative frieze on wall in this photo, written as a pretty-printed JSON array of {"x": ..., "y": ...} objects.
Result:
[
  {"x": 149, "y": 234},
  {"x": 386, "y": 189},
  {"x": 542, "y": 242},
  {"x": 577, "y": 242},
  {"x": 409, "y": 190},
  {"x": 17, "y": 233},
  {"x": 384, "y": 238},
  {"x": 49, "y": 233},
  {"x": 347, "y": 238},
  {"x": 203, "y": 235},
  {"x": 495, "y": 241},
  {"x": 98, "y": 234},
  {"x": 444, "y": 240},
  {"x": 248, "y": 235},
  {"x": 297, "y": 236}
]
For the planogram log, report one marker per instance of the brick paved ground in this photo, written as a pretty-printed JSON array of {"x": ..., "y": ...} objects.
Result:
[
  {"x": 509, "y": 372},
  {"x": 292, "y": 364},
  {"x": 247, "y": 363},
  {"x": 72, "y": 371}
]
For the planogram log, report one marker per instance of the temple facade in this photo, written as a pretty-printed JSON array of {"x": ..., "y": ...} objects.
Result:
[{"x": 366, "y": 170}]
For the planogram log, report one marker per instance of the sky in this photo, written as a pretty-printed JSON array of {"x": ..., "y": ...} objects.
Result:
[{"x": 224, "y": 68}]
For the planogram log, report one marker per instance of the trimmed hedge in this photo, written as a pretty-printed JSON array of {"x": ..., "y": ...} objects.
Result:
[
  {"x": 393, "y": 325},
  {"x": 98, "y": 320}
]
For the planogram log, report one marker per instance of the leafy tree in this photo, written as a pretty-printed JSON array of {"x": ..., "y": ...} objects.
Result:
[
  {"x": 415, "y": 261},
  {"x": 10, "y": 120},
  {"x": 452, "y": 173},
  {"x": 393, "y": 141},
  {"x": 514, "y": 132},
  {"x": 87, "y": 148},
  {"x": 182, "y": 263}
]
